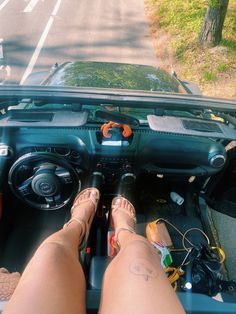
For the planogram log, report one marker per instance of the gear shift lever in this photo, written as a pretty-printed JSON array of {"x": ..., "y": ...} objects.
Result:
[
  {"x": 126, "y": 186},
  {"x": 97, "y": 180}
]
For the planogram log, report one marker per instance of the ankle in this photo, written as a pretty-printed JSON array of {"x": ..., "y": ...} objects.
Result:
[
  {"x": 77, "y": 225},
  {"x": 123, "y": 236}
]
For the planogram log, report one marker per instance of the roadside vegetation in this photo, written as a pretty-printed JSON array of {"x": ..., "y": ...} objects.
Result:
[{"x": 175, "y": 27}]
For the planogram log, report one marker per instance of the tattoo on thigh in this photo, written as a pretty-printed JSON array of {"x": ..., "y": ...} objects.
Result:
[{"x": 142, "y": 267}]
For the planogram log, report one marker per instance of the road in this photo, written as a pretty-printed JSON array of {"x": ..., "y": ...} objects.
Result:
[{"x": 34, "y": 34}]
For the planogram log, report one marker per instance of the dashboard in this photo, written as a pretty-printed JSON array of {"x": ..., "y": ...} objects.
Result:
[
  {"x": 145, "y": 151},
  {"x": 45, "y": 165}
]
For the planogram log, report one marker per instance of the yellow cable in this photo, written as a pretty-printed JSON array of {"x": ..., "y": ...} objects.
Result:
[
  {"x": 175, "y": 273},
  {"x": 221, "y": 253}
]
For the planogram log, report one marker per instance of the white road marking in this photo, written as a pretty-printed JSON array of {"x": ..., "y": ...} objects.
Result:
[
  {"x": 5, "y": 73},
  {"x": 30, "y": 6},
  {"x": 56, "y": 8},
  {"x": 4, "y": 4},
  {"x": 5, "y": 69},
  {"x": 1, "y": 49},
  {"x": 8, "y": 70},
  {"x": 40, "y": 44}
]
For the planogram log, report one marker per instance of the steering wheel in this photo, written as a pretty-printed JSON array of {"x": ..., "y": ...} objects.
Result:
[{"x": 43, "y": 180}]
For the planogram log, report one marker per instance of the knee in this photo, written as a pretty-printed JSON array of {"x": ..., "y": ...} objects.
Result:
[
  {"x": 138, "y": 246},
  {"x": 138, "y": 250},
  {"x": 54, "y": 249}
]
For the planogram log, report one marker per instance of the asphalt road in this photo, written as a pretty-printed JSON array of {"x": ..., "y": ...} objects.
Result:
[{"x": 34, "y": 34}]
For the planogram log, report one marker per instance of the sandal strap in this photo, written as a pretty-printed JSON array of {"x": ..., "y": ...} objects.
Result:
[
  {"x": 120, "y": 209},
  {"x": 85, "y": 230},
  {"x": 116, "y": 207},
  {"x": 131, "y": 213},
  {"x": 116, "y": 240},
  {"x": 92, "y": 197}
]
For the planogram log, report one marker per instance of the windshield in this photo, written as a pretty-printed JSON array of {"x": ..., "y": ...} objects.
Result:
[{"x": 114, "y": 75}]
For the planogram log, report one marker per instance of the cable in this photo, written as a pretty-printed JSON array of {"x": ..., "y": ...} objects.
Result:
[
  {"x": 176, "y": 229},
  {"x": 174, "y": 273},
  {"x": 193, "y": 229},
  {"x": 221, "y": 253},
  {"x": 184, "y": 238}
]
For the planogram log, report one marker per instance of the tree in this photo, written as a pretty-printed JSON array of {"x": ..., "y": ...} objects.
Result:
[{"x": 212, "y": 26}]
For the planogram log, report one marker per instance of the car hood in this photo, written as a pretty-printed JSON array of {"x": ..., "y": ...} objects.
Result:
[{"x": 113, "y": 75}]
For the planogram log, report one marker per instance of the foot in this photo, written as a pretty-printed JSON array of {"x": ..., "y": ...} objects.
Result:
[
  {"x": 83, "y": 211},
  {"x": 123, "y": 214}
]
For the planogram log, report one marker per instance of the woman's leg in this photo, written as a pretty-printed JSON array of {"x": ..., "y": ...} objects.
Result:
[
  {"x": 53, "y": 281},
  {"x": 135, "y": 282}
]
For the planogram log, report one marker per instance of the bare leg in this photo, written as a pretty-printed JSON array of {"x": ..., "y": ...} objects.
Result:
[
  {"x": 135, "y": 282},
  {"x": 53, "y": 281}
]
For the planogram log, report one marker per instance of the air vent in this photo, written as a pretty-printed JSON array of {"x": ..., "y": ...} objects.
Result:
[
  {"x": 201, "y": 126},
  {"x": 217, "y": 161},
  {"x": 31, "y": 116}
]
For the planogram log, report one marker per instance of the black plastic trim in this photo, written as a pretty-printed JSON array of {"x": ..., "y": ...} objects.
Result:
[
  {"x": 192, "y": 303},
  {"x": 119, "y": 97}
]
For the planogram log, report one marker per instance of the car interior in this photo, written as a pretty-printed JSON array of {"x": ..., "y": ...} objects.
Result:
[{"x": 167, "y": 172}]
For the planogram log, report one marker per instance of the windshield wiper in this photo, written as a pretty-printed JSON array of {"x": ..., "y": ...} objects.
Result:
[{"x": 116, "y": 117}]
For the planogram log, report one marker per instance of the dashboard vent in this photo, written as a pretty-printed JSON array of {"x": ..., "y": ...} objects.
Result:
[
  {"x": 201, "y": 126},
  {"x": 31, "y": 117}
]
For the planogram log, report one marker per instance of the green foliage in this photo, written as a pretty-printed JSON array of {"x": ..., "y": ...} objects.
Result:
[
  {"x": 223, "y": 67},
  {"x": 208, "y": 76},
  {"x": 179, "y": 14},
  {"x": 183, "y": 19},
  {"x": 214, "y": 3},
  {"x": 231, "y": 44},
  {"x": 229, "y": 30}
]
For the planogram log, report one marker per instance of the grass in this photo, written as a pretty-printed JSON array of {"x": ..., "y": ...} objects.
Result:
[
  {"x": 182, "y": 21},
  {"x": 209, "y": 76},
  {"x": 223, "y": 67}
]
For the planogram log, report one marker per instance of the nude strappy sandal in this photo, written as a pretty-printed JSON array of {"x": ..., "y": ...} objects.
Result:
[
  {"x": 79, "y": 200},
  {"x": 116, "y": 206},
  {"x": 8, "y": 283}
]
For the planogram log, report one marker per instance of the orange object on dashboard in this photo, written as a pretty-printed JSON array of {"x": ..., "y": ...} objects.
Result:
[{"x": 127, "y": 131}]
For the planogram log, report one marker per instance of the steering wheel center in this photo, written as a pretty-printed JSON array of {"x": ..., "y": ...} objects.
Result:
[{"x": 45, "y": 184}]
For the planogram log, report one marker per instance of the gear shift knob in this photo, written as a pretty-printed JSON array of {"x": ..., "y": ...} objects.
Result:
[
  {"x": 127, "y": 185},
  {"x": 128, "y": 178},
  {"x": 97, "y": 180}
]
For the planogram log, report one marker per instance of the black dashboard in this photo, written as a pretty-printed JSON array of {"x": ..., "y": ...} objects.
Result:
[{"x": 146, "y": 151}]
